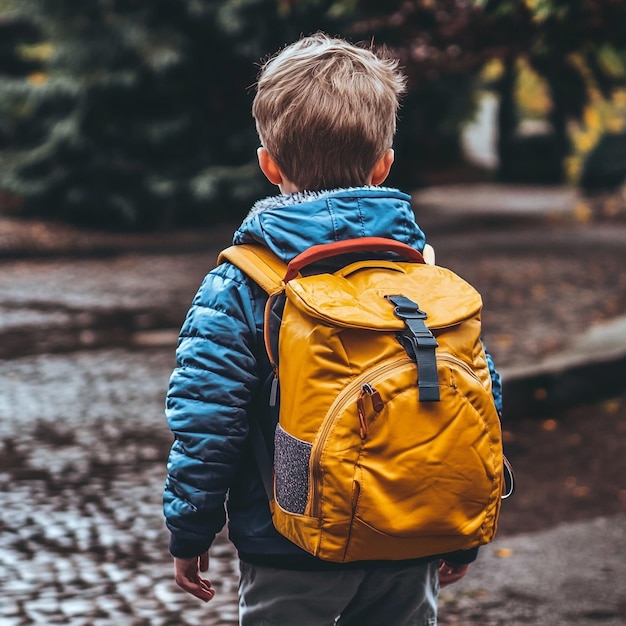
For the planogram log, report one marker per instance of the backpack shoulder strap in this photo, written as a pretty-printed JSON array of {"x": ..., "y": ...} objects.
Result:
[
  {"x": 268, "y": 271},
  {"x": 258, "y": 262}
]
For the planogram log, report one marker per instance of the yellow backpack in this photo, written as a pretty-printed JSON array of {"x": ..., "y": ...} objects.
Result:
[{"x": 388, "y": 444}]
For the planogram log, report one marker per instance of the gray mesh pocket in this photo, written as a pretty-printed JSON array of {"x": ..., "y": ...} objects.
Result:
[{"x": 291, "y": 467}]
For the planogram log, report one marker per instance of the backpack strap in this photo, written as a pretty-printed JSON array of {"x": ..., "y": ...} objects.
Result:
[
  {"x": 258, "y": 262},
  {"x": 423, "y": 345},
  {"x": 267, "y": 270}
]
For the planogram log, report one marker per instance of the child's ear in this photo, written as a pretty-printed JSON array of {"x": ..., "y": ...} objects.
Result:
[
  {"x": 382, "y": 167},
  {"x": 269, "y": 167}
]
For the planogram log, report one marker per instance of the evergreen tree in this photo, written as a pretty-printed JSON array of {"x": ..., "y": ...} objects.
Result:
[
  {"x": 17, "y": 36},
  {"x": 143, "y": 119}
]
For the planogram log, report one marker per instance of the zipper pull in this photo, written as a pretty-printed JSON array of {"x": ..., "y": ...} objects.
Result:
[
  {"x": 274, "y": 387},
  {"x": 377, "y": 405},
  {"x": 377, "y": 402}
]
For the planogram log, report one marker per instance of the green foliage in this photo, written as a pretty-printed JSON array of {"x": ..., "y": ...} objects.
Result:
[
  {"x": 133, "y": 114},
  {"x": 142, "y": 118},
  {"x": 577, "y": 46}
]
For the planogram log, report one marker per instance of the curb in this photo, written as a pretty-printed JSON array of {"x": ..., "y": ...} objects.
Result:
[{"x": 591, "y": 370}]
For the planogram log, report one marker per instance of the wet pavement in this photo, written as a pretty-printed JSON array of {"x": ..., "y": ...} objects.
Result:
[
  {"x": 82, "y": 541},
  {"x": 61, "y": 304},
  {"x": 86, "y": 348}
]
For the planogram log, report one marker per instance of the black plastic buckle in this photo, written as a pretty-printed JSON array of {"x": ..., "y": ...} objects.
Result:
[{"x": 423, "y": 343}]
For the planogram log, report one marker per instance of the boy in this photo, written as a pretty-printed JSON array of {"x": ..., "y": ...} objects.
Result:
[{"x": 325, "y": 113}]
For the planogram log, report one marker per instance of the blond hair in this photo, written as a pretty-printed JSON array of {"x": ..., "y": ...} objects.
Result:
[{"x": 326, "y": 111}]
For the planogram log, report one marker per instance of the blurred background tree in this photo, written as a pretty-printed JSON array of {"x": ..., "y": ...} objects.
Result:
[
  {"x": 443, "y": 46},
  {"x": 573, "y": 48},
  {"x": 577, "y": 47},
  {"x": 16, "y": 34},
  {"x": 123, "y": 113},
  {"x": 142, "y": 117}
]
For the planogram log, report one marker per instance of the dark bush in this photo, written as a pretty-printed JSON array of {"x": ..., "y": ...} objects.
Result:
[{"x": 605, "y": 166}]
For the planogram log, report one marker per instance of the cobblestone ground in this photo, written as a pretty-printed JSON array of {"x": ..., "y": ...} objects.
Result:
[{"x": 82, "y": 541}]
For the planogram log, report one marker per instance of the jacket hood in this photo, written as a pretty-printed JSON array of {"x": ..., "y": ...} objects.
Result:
[{"x": 290, "y": 224}]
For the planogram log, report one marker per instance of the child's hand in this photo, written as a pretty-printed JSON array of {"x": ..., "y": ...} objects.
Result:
[
  {"x": 187, "y": 576},
  {"x": 451, "y": 573}
]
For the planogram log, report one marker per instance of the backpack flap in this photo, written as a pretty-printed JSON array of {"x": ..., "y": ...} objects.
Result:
[{"x": 359, "y": 298}]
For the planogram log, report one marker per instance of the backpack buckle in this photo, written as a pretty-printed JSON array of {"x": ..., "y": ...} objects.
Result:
[{"x": 423, "y": 345}]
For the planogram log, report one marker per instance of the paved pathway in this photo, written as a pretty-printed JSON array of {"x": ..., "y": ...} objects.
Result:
[
  {"x": 82, "y": 539},
  {"x": 571, "y": 574}
]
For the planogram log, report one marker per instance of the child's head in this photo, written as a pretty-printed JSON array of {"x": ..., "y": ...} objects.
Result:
[{"x": 326, "y": 110}]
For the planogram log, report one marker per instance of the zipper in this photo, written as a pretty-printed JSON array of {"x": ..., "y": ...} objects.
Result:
[{"x": 362, "y": 385}]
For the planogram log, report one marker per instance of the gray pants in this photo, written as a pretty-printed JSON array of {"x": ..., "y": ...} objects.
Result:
[{"x": 398, "y": 595}]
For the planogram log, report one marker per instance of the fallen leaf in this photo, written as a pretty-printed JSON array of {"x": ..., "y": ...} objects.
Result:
[
  {"x": 582, "y": 212},
  {"x": 549, "y": 425},
  {"x": 575, "y": 439},
  {"x": 570, "y": 482},
  {"x": 611, "y": 406},
  {"x": 504, "y": 553}
]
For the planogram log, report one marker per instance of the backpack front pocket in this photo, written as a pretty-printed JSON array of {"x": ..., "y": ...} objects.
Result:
[
  {"x": 435, "y": 468},
  {"x": 416, "y": 468}
]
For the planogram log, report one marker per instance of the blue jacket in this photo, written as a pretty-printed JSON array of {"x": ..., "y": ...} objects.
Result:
[{"x": 222, "y": 370}]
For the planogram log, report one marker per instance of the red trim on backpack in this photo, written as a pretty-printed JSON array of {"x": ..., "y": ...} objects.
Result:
[{"x": 362, "y": 244}]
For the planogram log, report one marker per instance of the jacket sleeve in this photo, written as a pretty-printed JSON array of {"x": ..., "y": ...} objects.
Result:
[
  {"x": 209, "y": 391},
  {"x": 496, "y": 382}
]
